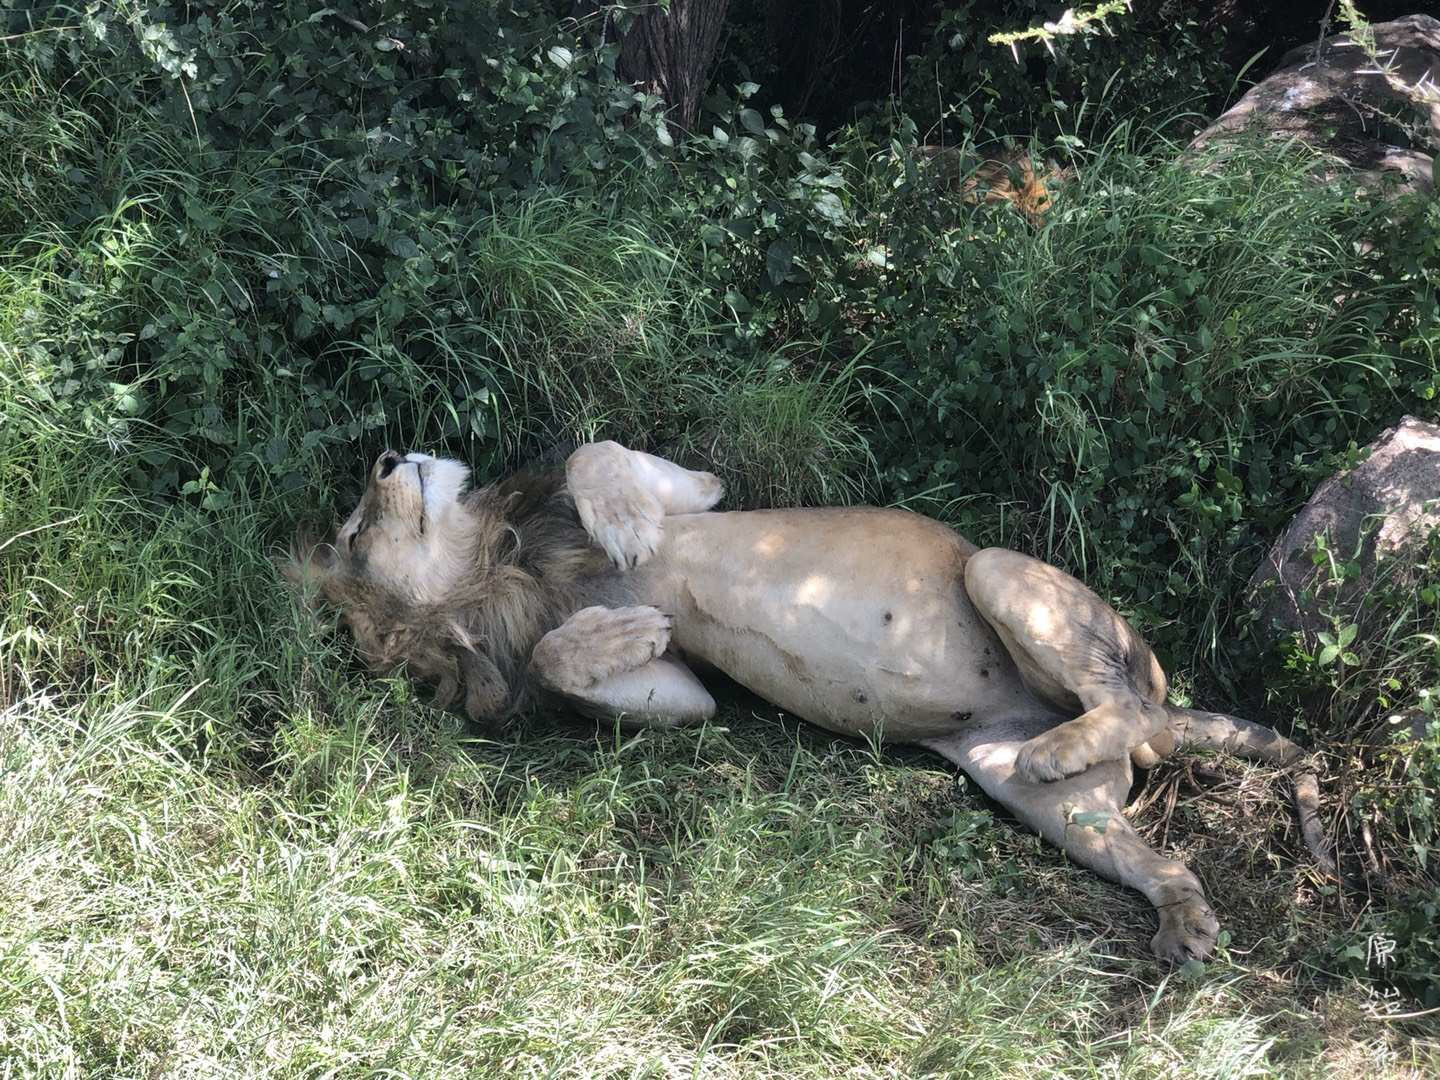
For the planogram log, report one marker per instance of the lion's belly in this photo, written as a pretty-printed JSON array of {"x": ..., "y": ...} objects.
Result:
[{"x": 853, "y": 619}]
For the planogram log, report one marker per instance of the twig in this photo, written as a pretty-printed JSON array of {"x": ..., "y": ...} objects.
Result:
[
  {"x": 1068, "y": 23},
  {"x": 1404, "y": 1016},
  {"x": 1324, "y": 26},
  {"x": 351, "y": 21},
  {"x": 1307, "y": 808}
]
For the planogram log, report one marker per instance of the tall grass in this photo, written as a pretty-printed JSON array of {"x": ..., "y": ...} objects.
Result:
[{"x": 594, "y": 326}]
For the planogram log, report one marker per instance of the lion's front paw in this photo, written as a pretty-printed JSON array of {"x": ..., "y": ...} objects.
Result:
[
  {"x": 630, "y": 638},
  {"x": 1054, "y": 755},
  {"x": 1188, "y": 930},
  {"x": 625, "y": 522},
  {"x": 597, "y": 642}
]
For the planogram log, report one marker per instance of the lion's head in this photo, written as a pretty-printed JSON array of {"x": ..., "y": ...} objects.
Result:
[
  {"x": 397, "y": 569},
  {"x": 455, "y": 584},
  {"x": 407, "y": 539}
]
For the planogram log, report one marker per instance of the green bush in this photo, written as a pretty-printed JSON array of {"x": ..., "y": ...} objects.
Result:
[
  {"x": 1169, "y": 360},
  {"x": 498, "y": 250},
  {"x": 267, "y": 264}
]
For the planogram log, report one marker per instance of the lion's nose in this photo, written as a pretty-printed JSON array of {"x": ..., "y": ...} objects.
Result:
[{"x": 387, "y": 463}]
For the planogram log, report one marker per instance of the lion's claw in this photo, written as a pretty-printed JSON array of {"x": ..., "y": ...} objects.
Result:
[{"x": 625, "y": 523}]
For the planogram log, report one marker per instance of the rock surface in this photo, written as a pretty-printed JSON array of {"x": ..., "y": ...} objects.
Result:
[
  {"x": 1397, "y": 489},
  {"x": 1344, "y": 106}
]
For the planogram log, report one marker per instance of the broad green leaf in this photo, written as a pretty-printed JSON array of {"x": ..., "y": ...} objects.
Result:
[{"x": 778, "y": 259}]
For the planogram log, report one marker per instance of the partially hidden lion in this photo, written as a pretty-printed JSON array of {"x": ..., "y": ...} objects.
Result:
[
  {"x": 601, "y": 584},
  {"x": 1010, "y": 176}
]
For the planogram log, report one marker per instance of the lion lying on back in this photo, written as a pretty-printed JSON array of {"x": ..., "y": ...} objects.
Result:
[{"x": 599, "y": 583}]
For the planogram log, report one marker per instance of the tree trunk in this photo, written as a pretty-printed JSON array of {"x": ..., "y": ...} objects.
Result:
[{"x": 672, "y": 52}]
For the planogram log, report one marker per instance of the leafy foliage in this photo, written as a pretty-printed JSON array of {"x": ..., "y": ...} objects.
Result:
[{"x": 356, "y": 217}]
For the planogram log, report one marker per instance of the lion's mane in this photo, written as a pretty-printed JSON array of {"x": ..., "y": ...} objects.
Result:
[{"x": 532, "y": 566}]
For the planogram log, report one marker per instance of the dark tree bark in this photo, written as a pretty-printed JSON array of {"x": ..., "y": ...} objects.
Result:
[{"x": 672, "y": 52}]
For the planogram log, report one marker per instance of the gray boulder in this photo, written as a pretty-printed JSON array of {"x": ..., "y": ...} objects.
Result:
[
  {"x": 1377, "y": 509},
  {"x": 1341, "y": 104}
]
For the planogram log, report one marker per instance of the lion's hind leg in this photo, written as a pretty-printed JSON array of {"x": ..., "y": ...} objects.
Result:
[
  {"x": 611, "y": 663},
  {"x": 1081, "y": 814},
  {"x": 1077, "y": 655}
]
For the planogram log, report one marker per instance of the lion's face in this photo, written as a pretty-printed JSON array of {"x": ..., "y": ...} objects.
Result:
[
  {"x": 419, "y": 573},
  {"x": 405, "y": 545},
  {"x": 407, "y": 534}
]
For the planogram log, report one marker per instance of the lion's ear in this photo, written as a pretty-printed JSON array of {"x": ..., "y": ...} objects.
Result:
[{"x": 309, "y": 566}]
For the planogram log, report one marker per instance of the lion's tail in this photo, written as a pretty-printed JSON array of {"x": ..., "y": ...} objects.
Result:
[{"x": 1255, "y": 742}]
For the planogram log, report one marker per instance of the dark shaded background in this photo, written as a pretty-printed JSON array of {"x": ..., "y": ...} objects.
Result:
[{"x": 822, "y": 60}]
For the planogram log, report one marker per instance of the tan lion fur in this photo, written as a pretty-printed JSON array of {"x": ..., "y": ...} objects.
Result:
[{"x": 1010, "y": 177}]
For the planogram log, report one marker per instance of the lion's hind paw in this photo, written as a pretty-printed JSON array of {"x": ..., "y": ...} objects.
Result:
[
  {"x": 1188, "y": 931},
  {"x": 1054, "y": 755}
]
